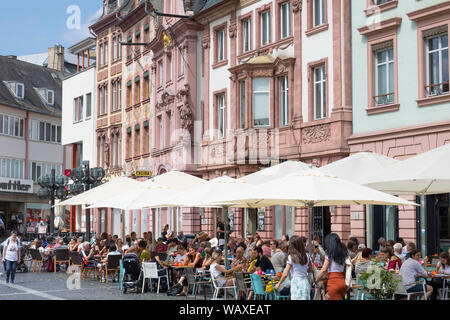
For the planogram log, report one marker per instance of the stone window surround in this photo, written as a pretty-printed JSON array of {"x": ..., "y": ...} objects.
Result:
[
  {"x": 101, "y": 103},
  {"x": 311, "y": 66},
  {"x": 279, "y": 3},
  {"x": 428, "y": 19},
  {"x": 372, "y": 8},
  {"x": 259, "y": 12},
  {"x": 241, "y": 19},
  {"x": 216, "y": 29},
  {"x": 310, "y": 29},
  {"x": 387, "y": 31}
]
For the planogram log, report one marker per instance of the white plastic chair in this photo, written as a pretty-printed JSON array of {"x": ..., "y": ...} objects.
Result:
[
  {"x": 217, "y": 288},
  {"x": 401, "y": 289},
  {"x": 150, "y": 271}
]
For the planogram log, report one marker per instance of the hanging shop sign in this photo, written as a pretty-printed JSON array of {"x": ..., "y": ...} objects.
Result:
[
  {"x": 261, "y": 219},
  {"x": 143, "y": 173},
  {"x": 16, "y": 185}
]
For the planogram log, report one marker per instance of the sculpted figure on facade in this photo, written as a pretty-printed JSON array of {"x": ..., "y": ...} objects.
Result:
[{"x": 184, "y": 109}]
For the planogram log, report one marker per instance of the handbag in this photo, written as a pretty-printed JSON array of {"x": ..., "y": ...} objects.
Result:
[
  {"x": 50, "y": 266},
  {"x": 348, "y": 273}
]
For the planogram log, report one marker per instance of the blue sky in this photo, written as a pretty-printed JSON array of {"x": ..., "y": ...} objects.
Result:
[{"x": 32, "y": 26}]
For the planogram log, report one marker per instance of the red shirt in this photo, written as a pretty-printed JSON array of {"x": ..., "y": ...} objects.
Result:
[
  {"x": 393, "y": 263},
  {"x": 161, "y": 248}
]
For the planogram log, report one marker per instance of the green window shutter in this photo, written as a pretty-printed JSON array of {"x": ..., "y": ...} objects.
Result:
[
  {"x": 146, "y": 74},
  {"x": 130, "y": 39},
  {"x": 137, "y": 79},
  {"x": 129, "y": 130},
  {"x": 129, "y": 83},
  {"x": 138, "y": 33},
  {"x": 146, "y": 27},
  {"x": 137, "y": 127},
  {"x": 146, "y": 124}
]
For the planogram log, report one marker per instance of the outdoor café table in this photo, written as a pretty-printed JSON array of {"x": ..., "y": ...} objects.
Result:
[{"x": 445, "y": 278}]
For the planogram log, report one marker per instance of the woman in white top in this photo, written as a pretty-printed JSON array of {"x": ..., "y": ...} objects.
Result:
[
  {"x": 218, "y": 271},
  {"x": 298, "y": 265},
  {"x": 11, "y": 256},
  {"x": 442, "y": 267}
]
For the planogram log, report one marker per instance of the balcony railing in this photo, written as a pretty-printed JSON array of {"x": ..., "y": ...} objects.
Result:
[{"x": 437, "y": 89}]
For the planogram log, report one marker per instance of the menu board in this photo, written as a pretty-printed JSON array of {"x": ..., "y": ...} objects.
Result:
[{"x": 261, "y": 219}]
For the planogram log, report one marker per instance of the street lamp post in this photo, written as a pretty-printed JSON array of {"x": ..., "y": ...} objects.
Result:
[
  {"x": 86, "y": 178},
  {"x": 52, "y": 187}
]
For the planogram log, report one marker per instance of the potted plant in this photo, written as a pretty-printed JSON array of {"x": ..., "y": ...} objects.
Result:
[{"x": 379, "y": 283}]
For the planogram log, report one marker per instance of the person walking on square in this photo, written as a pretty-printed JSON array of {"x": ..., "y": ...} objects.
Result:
[{"x": 11, "y": 256}]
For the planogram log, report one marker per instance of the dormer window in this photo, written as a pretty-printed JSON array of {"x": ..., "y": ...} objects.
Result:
[
  {"x": 19, "y": 92},
  {"x": 50, "y": 97}
]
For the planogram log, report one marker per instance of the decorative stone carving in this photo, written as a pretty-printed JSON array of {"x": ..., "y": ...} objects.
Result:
[
  {"x": 107, "y": 151},
  {"x": 296, "y": 5},
  {"x": 166, "y": 98},
  {"x": 232, "y": 30},
  {"x": 184, "y": 109},
  {"x": 316, "y": 134}
]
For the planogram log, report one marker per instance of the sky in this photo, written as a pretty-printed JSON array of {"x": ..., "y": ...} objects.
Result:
[{"x": 32, "y": 26}]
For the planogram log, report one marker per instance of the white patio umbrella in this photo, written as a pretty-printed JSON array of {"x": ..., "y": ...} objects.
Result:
[
  {"x": 359, "y": 166},
  {"x": 274, "y": 172},
  {"x": 137, "y": 198},
  {"x": 176, "y": 180},
  {"x": 426, "y": 173},
  {"x": 204, "y": 194},
  {"x": 310, "y": 188},
  {"x": 107, "y": 190}
]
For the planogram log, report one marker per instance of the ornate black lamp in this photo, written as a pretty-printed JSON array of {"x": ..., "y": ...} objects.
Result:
[
  {"x": 52, "y": 187},
  {"x": 84, "y": 180}
]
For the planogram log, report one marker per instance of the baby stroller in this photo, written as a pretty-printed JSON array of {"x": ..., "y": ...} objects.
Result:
[
  {"x": 22, "y": 267},
  {"x": 132, "y": 278}
]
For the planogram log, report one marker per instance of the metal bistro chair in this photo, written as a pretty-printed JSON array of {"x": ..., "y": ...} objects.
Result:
[
  {"x": 241, "y": 284},
  {"x": 276, "y": 294},
  {"x": 36, "y": 258},
  {"x": 121, "y": 275},
  {"x": 61, "y": 256},
  {"x": 196, "y": 280},
  {"x": 258, "y": 286},
  {"x": 150, "y": 271},
  {"x": 113, "y": 264},
  {"x": 217, "y": 288}
]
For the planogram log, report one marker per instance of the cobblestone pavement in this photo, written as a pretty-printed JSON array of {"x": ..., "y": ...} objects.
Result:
[{"x": 53, "y": 286}]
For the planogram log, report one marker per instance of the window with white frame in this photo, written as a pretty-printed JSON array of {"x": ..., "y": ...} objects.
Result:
[
  {"x": 78, "y": 109},
  {"x": 384, "y": 76},
  {"x": 88, "y": 105},
  {"x": 19, "y": 92},
  {"x": 437, "y": 68},
  {"x": 319, "y": 12},
  {"x": 261, "y": 102},
  {"x": 105, "y": 103},
  {"x": 161, "y": 73},
  {"x": 265, "y": 28},
  {"x": 284, "y": 101},
  {"x": 115, "y": 45},
  {"x": 114, "y": 96},
  {"x": 38, "y": 169},
  {"x": 247, "y": 35},
  {"x": 43, "y": 131},
  {"x": 119, "y": 46},
  {"x": 319, "y": 93},
  {"x": 221, "y": 115},
  {"x": 221, "y": 45},
  {"x": 161, "y": 133},
  {"x": 12, "y": 168},
  {"x": 100, "y": 55},
  {"x": 12, "y": 126},
  {"x": 106, "y": 53},
  {"x": 50, "y": 95},
  {"x": 181, "y": 52},
  {"x": 119, "y": 94},
  {"x": 285, "y": 20}
]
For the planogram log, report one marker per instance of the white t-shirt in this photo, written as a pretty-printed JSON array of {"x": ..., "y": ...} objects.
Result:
[
  {"x": 12, "y": 250},
  {"x": 334, "y": 266},
  {"x": 298, "y": 270},
  {"x": 440, "y": 269}
]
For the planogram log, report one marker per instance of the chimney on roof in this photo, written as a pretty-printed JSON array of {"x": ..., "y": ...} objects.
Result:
[{"x": 56, "y": 57}]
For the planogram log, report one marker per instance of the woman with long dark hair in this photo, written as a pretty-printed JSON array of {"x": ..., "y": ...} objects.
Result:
[
  {"x": 11, "y": 256},
  {"x": 298, "y": 265},
  {"x": 334, "y": 265}
]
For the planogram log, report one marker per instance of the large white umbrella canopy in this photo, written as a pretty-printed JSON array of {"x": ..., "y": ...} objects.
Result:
[
  {"x": 309, "y": 188},
  {"x": 136, "y": 198},
  {"x": 176, "y": 180},
  {"x": 115, "y": 187},
  {"x": 274, "y": 172},
  {"x": 359, "y": 166},
  {"x": 204, "y": 193},
  {"x": 426, "y": 173}
]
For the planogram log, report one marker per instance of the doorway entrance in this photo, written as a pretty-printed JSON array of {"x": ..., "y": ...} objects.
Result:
[
  {"x": 321, "y": 222},
  {"x": 251, "y": 221}
]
